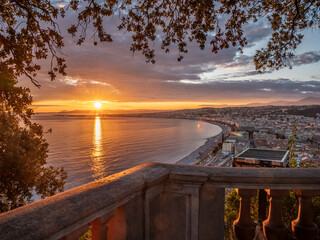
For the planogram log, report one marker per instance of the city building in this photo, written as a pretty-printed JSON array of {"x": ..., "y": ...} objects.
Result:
[{"x": 254, "y": 157}]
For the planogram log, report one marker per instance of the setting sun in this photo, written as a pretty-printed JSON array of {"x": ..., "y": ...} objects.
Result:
[{"x": 97, "y": 105}]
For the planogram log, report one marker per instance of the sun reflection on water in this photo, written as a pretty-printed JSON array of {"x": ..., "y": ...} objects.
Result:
[
  {"x": 96, "y": 155},
  {"x": 201, "y": 127}
]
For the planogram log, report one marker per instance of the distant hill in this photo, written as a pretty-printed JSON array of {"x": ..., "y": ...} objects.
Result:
[
  {"x": 111, "y": 112},
  {"x": 309, "y": 101},
  {"x": 304, "y": 101},
  {"x": 204, "y": 108},
  {"x": 77, "y": 112}
]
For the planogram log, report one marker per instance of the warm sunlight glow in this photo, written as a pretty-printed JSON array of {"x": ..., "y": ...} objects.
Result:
[
  {"x": 97, "y": 105},
  {"x": 96, "y": 156},
  {"x": 200, "y": 127}
]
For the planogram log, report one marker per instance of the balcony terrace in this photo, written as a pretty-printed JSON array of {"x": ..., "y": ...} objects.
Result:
[{"x": 166, "y": 201}]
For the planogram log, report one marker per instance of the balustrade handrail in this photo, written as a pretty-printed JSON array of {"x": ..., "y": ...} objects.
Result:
[
  {"x": 59, "y": 215},
  {"x": 249, "y": 178}
]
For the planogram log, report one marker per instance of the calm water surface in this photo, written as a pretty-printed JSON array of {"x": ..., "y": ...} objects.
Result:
[{"x": 93, "y": 147}]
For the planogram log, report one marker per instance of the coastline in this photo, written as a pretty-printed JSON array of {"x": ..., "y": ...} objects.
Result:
[{"x": 204, "y": 151}]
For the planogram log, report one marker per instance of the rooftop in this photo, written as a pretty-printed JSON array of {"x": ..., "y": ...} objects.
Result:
[{"x": 264, "y": 154}]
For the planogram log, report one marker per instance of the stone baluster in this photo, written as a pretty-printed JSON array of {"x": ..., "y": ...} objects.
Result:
[
  {"x": 99, "y": 226},
  {"x": 303, "y": 227},
  {"x": 75, "y": 235},
  {"x": 244, "y": 227},
  {"x": 273, "y": 227}
]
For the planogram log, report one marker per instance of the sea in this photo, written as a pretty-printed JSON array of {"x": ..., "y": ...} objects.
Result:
[{"x": 93, "y": 147}]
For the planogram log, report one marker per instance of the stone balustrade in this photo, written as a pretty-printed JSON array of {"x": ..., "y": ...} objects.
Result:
[{"x": 157, "y": 201}]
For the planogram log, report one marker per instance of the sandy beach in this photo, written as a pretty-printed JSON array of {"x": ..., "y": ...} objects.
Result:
[{"x": 203, "y": 151}]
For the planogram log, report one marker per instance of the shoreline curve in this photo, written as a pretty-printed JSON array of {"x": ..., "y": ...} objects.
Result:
[{"x": 204, "y": 150}]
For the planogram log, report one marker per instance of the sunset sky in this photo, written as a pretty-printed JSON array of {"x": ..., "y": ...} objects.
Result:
[{"x": 110, "y": 74}]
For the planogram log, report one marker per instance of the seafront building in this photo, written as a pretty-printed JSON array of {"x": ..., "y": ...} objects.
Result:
[{"x": 254, "y": 157}]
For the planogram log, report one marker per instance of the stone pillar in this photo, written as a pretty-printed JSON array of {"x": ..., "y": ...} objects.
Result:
[
  {"x": 303, "y": 227},
  {"x": 244, "y": 227},
  {"x": 211, "y": 212},
  {"x": 174, "y": 214},
  {"x": 273, "y": 227},
  {"x": 99, "y": 226}
]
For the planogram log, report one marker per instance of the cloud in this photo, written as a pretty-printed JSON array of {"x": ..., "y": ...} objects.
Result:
[
  {"x": 116, "y": 58},
  {"x": 250, "y": 73},
  {"x": 131, "y": 88},
  {"x": 300, "y": 59},
  {"x": 306, "y": 58},
  {"x": 46, "y": 105},
  {"x": 256, "y": 32},
  {"x": 316, "y": 77},
  {"x": 239, "y": 62},
  {"x": 110, "y": 72},
  {"x": 245, "y": 63},
  {"x": 239, "y": 89}
]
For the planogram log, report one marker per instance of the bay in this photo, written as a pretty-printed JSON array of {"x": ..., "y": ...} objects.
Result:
[{"x": 93, "y": 147}]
